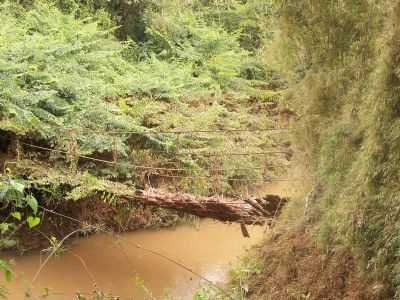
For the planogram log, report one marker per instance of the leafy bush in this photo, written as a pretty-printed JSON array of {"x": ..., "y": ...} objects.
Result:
[
  {"x": 57, "y": 71},
  {"x": 211, "y": 51},
  {"x": 252, "y": 20},
  {"x": 6, "y": 269},
  {"x": 20, "y": 207}
]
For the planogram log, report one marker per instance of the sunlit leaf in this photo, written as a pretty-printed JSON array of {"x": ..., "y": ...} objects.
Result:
[
  {"x": 32, "y": 202},
  {"x": 17, "y": 215},
  {"x": 5, "y": 267},
  {"x": 4, "y": 227},
  {"x": 18, "y": 186},
  {"x": 8, "y": 275},
  {"x": 33, "y": 221}
]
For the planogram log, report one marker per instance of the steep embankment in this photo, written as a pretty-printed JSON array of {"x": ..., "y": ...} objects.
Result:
[{"x": 343, "y": 59}]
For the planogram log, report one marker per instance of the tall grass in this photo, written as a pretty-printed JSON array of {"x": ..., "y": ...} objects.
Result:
[{"x": 347, "y": 94}]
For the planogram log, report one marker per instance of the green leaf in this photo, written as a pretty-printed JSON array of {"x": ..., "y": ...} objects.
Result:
[
  {"x": 8, "y": 275},
  {"x": 33, "y": 221},
  {"x": 4, "y": 227},
  {"x": 3, "y": 191},
  {"x": 17, "y": 186},
  {"x": 46, "y": 292},
  {"x": 17, "y": 215},
  {"x": 32, "y": 202},
  {"x": 6, "y": 270}
]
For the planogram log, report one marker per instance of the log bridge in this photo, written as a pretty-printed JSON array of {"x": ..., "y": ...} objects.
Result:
[
  {"x": 249, "y": 211},
  {"x": 246, "y": 211}
]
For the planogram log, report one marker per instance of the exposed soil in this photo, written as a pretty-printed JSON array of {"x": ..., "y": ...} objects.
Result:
[
  {"x": 121, "y": 217},
  {"x": 295, "y": 268}
]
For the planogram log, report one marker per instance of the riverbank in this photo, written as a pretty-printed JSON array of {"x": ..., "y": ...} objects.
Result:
[
  {"x": 92, "y": 216},
  {"x": 83, "y": 106}
]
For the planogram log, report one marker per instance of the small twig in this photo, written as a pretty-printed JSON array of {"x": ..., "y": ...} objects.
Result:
[
  {"x": 133, "y": 244},
  {"x": 55, "y": 249},
  {"x": 18, "y": 149}
]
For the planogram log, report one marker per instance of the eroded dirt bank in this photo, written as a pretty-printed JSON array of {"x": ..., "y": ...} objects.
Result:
[
  {"x": 87, "y": 217},
  {"x": 294, "y": 266}
]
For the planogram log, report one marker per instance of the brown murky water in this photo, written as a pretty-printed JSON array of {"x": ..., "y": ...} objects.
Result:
[{"x": 114, "y": 265}]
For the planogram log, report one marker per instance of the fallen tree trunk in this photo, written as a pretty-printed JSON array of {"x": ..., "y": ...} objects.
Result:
[
  {"x": 249, "y": 211},
  {"x": 245, "y": 211}
]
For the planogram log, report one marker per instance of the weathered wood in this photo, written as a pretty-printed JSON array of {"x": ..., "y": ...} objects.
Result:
[
  {"x": 244, "y": 211},
  {"x": 257, "y": 207},
  {"x": 244, "y": 230},
  {"x": 248, "y": 211}
]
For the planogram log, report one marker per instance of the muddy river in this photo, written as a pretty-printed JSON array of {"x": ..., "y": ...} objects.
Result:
[{"x": 116, "y": 265}]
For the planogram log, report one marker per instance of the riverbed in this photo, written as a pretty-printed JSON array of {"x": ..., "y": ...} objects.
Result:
[{"x": 116, "y": 265}]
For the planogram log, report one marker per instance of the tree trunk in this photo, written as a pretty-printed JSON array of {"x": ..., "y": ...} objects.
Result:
[{"x": 248, "y": 211}]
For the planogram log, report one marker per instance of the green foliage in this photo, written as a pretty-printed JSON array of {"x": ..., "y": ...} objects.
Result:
[
  {"x": 347, "y": 95},
  {"x": 213, "y": 48},
  {"x": 65, "y": 79},
  {"x": 13, "y": 195},
  {"x": 5, "y": 268},
  {"x": 88, "y": 187},
  {"x": 56, "y": 71},
  {"x": 70, "y": 71},
  {"x": 247, "y": 268},
  {"x": 252, "y": 19},
  {"x": 128, "y": 15},
  {"x": 33, "y": 221},
  {"x": 18, "y": 207}
]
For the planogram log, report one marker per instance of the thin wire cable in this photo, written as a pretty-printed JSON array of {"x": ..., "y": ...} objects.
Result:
[
  {"x": 218, "y": 154},
  {"x": 103, "y": 131},
  {"x": 210, "y": 154},
  {"x": 41, "y": 267},
  {"x": 205, "y": 154},
  {"x": 171, "y": 176},
  {"x": 138, "y": 247},
  {"x": 230, "y": 179},
  {"x": 161, "y": 168}
]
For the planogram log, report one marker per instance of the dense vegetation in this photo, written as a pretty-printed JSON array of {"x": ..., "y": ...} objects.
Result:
[
  {"x": 86, "y": 83},
  {"x": 71, "y": 71},
  {"x": 66, "y": 81},
  {"x": 341, "y": 59},
  {"x": 62, "y": 74}
]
